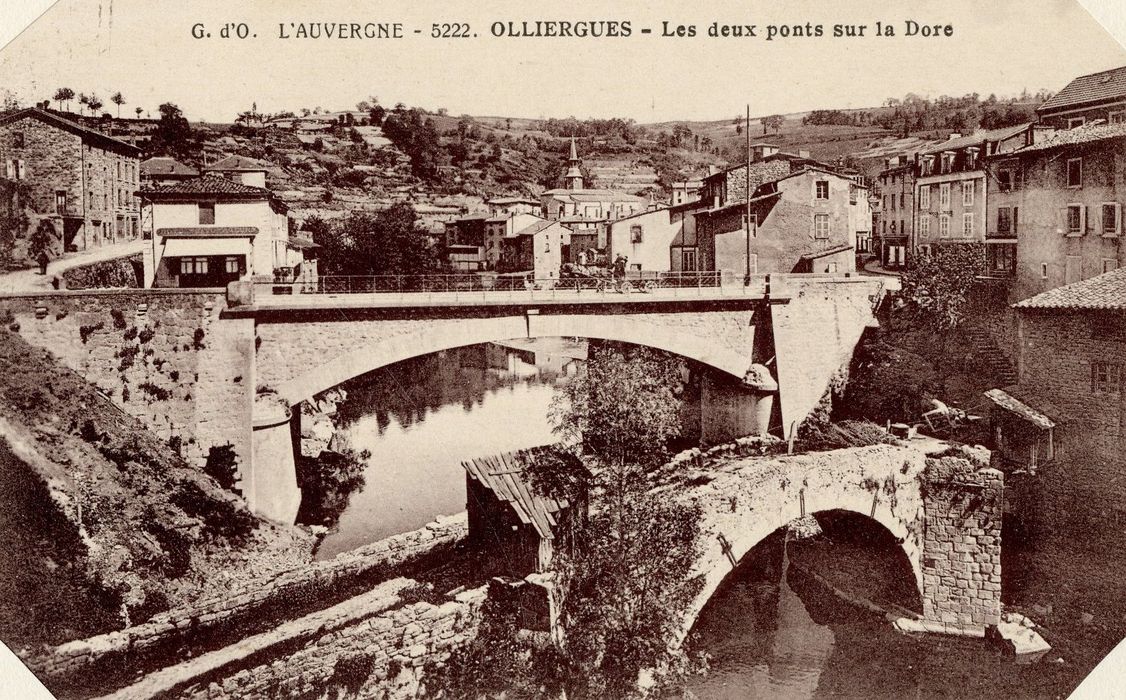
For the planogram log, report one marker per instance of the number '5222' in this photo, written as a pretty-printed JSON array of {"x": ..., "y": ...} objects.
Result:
[{"x": 450, "y": 31}]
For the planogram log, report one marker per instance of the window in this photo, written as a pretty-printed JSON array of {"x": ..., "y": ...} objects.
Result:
[
  {"x": 60, "y": 201},
  {"x": 820, "y": 225},
  {"x": 1116, "y": 117},
  {"x": 1004, "y": 220},
  {"x": 1076, "y": 219},
  {"x": 1073, "y": 269},
  {"x": 16, "y": 169},
  {"x": 944, "y": 196},
  {"x": 1110, "y": 264},
  {"x": 688, "y": 260},
  {"x": 207, "y": 212},
  {"x": 925, "y": 227},
  {"x": 1075, "y": 172},
  {"x": 1105, "y": 377},
  {"x": 900, "y": 200},
  {"x": 1112, "y": 219},
  {"x": 968, "y": 225},
  {"x": 1043, "y": 271},
  {"x": 822, "y": 189},
  {"x": 925, "y": 197},
  {"x": 193, "y": 266},
  {"x": 1076, "y": 121},
  {"x": 1005, "y": 180},
  {"x": 971, "y": 159},
  {"x": 17, "y": 139},
  {"x": 944, "y": 226},
  {"x": 635, "y": 234},
  {"x": 968, "y": 193},
  {"x": 1001, "y": 259},
  {"x": 230, "y": 265}
]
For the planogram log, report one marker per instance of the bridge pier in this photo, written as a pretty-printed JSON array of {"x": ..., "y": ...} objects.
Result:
[
  {"x": 269, "y": 480},
  {"x": 729, "y": 409}
]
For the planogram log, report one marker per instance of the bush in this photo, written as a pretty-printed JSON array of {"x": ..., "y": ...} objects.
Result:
[
  {"x": 222, "y": 465},
  {"x": 221, "y": 519}
]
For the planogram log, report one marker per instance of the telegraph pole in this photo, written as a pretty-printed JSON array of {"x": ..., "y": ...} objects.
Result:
[{"x": 747, "y": 188}]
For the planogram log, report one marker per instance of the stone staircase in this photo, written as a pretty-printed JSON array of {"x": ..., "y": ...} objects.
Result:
[{"x": 989, "y": 354}]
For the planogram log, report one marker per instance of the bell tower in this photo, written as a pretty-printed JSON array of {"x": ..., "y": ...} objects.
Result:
[{"x": 573, "y": 180}]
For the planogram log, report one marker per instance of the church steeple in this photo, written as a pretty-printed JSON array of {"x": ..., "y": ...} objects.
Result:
[{"x": 573, "y": 180}]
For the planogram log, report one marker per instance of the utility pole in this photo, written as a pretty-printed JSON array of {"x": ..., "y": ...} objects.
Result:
[{"x": 747, "y": 189}]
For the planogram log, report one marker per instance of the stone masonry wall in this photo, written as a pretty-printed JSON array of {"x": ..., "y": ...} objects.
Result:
[
  {"x": 147, "y": 350},
  {"x": 251, "y": 601},
  {"x": 377, "y": 645},
  {"x": 962, "y": 546}
]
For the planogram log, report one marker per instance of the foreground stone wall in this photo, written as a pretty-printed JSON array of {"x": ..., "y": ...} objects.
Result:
[
  {"x": 378, "y": 644},
  {"x": 155, "y": 354},
  {"x": 253, "y": 601}
]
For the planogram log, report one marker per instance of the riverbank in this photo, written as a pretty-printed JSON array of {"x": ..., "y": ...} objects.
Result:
[{"x": 116, "y": 527}]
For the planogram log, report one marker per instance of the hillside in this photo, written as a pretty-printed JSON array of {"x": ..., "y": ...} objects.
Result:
[{"x": 103, "y": 519}]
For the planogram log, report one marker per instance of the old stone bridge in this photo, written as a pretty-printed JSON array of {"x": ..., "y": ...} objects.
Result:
[
  {"x": 945, "y": 512},
  {"x": 207, "y": 369}
]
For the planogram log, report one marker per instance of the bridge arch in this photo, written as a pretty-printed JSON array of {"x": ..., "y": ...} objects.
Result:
[
  {"x": 424, "y": 338},
  {"x": 746, "y": 507}
]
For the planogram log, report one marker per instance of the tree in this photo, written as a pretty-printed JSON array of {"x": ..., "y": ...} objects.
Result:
[
  {"x": 386, "y": 243},
  {"x": 774, "y": 122},
  {"x": 83, "y": 100},
  {"x": 937, "y": 287},
  {"x": 138, "y": 110},
  {"x": 94, "y": 103},
  {"x": 13, "y": 217},
  {"x": 625, "y": 584},
  {"x": 64, "y": 95},
  {"x": 118, "y": 99},
  {"x": 173, "y": 134},
  {"x": 42, "y": 241}
]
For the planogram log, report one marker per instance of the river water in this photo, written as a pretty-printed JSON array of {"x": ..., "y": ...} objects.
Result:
[{"x": 771, "y": 631}]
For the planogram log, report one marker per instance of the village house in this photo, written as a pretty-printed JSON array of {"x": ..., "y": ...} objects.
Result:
[
  {"x": 658, "y": 240},
  {"x": 1098, "y": 97},
  {"x": 894, "y": 224},
  {"x": 685, "y": 191},
  {"x": 1055, "y": 209},
  {"x": 504, "y": 206},
  {"x": 79, "y": 181},
  {"x": 159, "y": 171},
  {"x": 504, "y": 225},
  {"x": 248, "y": 171},
  {"x": 1064, "y": 422},
  {"x": 540, "y": 249},
  {"x": 465, "y": 243},
  {"x": 803, "y": 220},
  {"x": 950, "y": 185},
  {"x": 211, "y": 230}
]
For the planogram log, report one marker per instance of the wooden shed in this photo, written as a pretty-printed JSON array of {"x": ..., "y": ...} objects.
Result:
[{"x": 507, "y": 516}]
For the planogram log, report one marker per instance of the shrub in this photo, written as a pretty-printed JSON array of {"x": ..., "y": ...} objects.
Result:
[
  {"x": 118, "y": 318},
  {"x": 130, "y": 333},
  {"x": 222, "y": 465},
  {"x": 146, "y": 335},
  {"x": 156, "y": 393},
  {"x": 197, "y": 339},
  {"x": 85, "y": 331},
  {"x": 221, "y": 519}
]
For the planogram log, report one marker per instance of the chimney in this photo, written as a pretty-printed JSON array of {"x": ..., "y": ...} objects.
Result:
[{"x": 954, "y": 135}]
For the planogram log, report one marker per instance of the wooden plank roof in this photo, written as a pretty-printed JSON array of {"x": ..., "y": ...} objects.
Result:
[{"x": 504, "y": 475}]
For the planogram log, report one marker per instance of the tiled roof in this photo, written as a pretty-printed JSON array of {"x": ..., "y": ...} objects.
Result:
[
  {"x": 1081, "y": 134},
  {"x": 1020, "y": 408},
  {"x": 239, "y": 163},
  {"x": 513, "y": 200},
  {"x": 595, "y": 195},
  {"x": 827, "y": 251},
  {"x": 1105, "y": 292},
  {"x": 504, "y": 476},
  {"x": 302, "y": 243},
  {"x": 974, "y": 139},
  {"x": 166, "y": 166},
  {"x": 208, "y": 184},
  {"x": 94, "y": 137},
  {"x": 536, "y": 228},
  {"x": 1104, "y": 85},
  {"x": 208, "y": 232}
]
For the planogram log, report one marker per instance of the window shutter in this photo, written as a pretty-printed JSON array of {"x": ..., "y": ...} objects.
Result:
[
  {"x": 1083, "y": 219},
  {"x": 1117, "y": 218},
  {"x": 1063, "y": 227},
  {"x": 1014, "y": 222},
  {"x": 9, "y": 170}
]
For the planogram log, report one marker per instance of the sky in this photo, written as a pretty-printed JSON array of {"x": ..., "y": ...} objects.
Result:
[{"x": 144, "y": 48}]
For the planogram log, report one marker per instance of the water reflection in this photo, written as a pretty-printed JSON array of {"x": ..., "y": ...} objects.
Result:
[{"x": 419, "y": 419}]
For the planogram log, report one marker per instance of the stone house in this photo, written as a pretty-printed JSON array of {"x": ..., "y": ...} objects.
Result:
[
  {"x": 81, "y": 182},
  {"x": 660, "y": 240},
  {"x": 894, "y": 224},
  {"x": 503, "y": 225},
  {"x": 950, "y": 185},
  {"x": 1064, "y": 422},
  {"x": 1089, "y": 98},
  {"x": 165, "y": 171},
  {"x": 540, "y": 248},
  {"x": 248, "y": 171},
  {"x": 800, "y": 221},
  {"x": 1055, "y": 209},
  {"x": 211, "y": 230},
  {"x": 507, "y": 206},
  {"x": 465, "y": 243}
]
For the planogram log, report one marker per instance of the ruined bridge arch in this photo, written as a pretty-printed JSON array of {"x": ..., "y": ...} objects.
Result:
[
  {"x": 302, "y": 359},
  {"x": 946, "y": 518}
]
